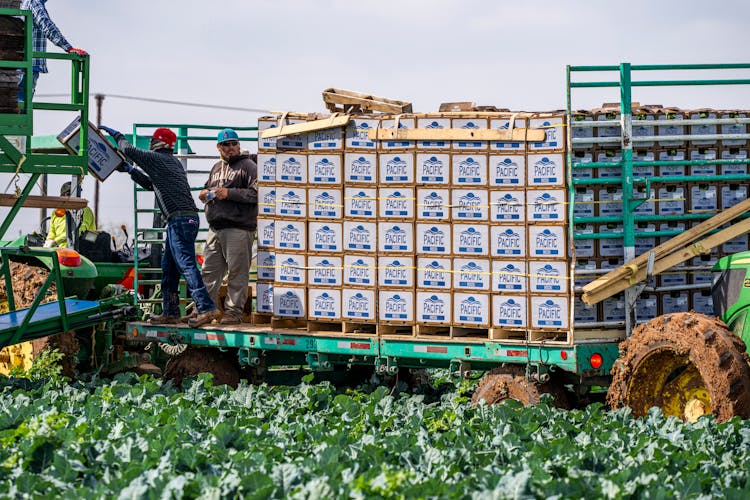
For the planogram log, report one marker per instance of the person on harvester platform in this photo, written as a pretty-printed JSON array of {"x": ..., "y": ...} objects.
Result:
[
  {"x": 58, "y": 225},
  {"x": 231, "y": 198},
  {"x": 164, "y": 174}
]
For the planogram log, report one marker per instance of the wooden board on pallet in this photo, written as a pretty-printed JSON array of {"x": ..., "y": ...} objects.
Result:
[
  {"x": 457, "y": 134},
  {"x": 36, "y": 201},
  {"x": 303, "y": 128},
  {"x": 350, "y": 101}
]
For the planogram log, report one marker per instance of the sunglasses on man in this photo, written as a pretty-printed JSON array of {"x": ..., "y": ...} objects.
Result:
[{"x": 229, "y": 144}]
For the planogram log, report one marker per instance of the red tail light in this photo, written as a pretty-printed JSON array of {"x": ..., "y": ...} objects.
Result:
[
  {"x": 596, "y": 360},
  {"x": 68, "y": 257}
]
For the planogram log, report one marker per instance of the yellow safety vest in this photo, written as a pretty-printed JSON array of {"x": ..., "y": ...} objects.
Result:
[{"x": 57, "y": 227}]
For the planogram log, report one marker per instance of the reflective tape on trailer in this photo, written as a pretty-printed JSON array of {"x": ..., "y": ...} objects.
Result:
[
  {"x": 435, "y": 349},
  {"x": 353, "y": 345},
  {"x": 155, "y": 334},
  {"x": 279, "y": 341},
  {"x": 513, "y": 353},
  {"x": 209, "y": 336}
]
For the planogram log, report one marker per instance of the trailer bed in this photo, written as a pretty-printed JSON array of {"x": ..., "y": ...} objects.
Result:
[{"x": 291, "y": 345}]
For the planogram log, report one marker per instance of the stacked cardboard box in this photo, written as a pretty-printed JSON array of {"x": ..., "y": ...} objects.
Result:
[
  {"x": 11, "y": 49},
  {"x": 417, "y": 233},
  {"x": 681, "y": 201}
]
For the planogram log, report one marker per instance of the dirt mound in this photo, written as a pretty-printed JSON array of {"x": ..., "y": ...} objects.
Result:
[
  {"x": 27, "y": 280},
  {"x": 223, "y": 366},
  {"x": 688, "y": 364}
]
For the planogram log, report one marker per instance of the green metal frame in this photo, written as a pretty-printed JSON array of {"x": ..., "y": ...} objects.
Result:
[
  {"x": 186, "y": 134},
  {"x": 627, "y": 182},
  {"x": 22, "y": 124},
  {"x": 386, "y": 354}
]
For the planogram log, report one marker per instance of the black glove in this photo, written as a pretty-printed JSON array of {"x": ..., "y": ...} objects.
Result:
[
  {"x": 116, "y": 135},
  {"x": 124, "y": 167}
]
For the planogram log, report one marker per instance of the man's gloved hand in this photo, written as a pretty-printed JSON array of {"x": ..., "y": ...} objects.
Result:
[
  {"x": 80, "y": 52},
  {"x": 124, "y": 167},
  {"x": 116, "y": 135},
  {"x": 49, "y": 243},
  {"x": 108, "y": 130}
]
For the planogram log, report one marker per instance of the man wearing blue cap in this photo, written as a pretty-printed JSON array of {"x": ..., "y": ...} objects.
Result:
[{"x": 231, "y": 198}]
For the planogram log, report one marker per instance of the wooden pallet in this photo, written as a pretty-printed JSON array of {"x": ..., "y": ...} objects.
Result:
[
  {"x": 342, "y": 327},
  {"x": 507, "y": 335},
  {"x": 288, "y": 323},
  {"x": 397, "y": 330},
  {"x": 469, "y": 332},
  {"x": 433, "y": 331},
  {"x": 348, "y": 101},
  {"x": 261, "y": 318},
  {"x": 561, "y": 337}
]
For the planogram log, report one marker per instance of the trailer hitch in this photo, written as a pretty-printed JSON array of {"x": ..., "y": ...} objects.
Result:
[
  {"x": 386, "y": 366},
  {"x": 318, "y": 362},
  {"x": 460, "y": 368},
  {"x": 537, "y": 373},
  {"x": 249, "y": 357}
]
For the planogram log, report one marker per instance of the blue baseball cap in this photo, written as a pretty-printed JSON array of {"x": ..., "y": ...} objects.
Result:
[{"x": 227, "y": 135}]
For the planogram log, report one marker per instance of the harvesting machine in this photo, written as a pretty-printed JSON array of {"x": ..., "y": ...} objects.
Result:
[{"x": 687, "y": 363}]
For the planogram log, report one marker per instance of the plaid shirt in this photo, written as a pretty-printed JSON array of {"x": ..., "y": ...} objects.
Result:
[{"x": 44, "y": 28}]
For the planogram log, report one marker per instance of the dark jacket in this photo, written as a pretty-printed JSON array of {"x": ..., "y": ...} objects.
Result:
[
  {"x": 240, "y": 208},
  {"x": 164, "y": 174}
]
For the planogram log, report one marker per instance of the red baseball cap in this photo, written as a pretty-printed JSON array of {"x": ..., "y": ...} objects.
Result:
[{"x": 166, "y": 136}]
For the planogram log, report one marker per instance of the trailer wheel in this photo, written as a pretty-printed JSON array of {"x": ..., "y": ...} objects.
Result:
[
  {"x": 222, "y": 365},
  {"x": 687, "y": 364},
  {"x": 509, "y": 382}
]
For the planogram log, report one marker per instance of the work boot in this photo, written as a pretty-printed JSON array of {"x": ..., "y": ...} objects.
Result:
[
  {"x": 230, "y": 319},
  {"x": 203, "y": 318},
  {"x": 185, "y": 319},
  {"x": 163, "y": 319}
]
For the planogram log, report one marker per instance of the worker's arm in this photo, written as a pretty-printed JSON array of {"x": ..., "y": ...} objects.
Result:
[
  {"x": 88, "y": 222},
  {"x": 142, "y": 179},
  {"x": 249, "y": 194},
  {"x": 48, "y": 27}
]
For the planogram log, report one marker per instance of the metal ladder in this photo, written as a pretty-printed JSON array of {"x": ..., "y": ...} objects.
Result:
[
  {"x": 627, "y": 181},
  {"x": 150, "y": 230},
  {"x": 22, "y": 160}
]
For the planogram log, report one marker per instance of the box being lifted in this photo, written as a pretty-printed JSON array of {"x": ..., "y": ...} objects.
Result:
[{"x": 103, "y": 157}]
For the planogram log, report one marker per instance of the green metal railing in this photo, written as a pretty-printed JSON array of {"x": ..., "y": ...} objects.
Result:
[
  {"x": 21, "y": 124},
  {"x": 154, "y": 234},
  {"x": 629, "y": 183}
]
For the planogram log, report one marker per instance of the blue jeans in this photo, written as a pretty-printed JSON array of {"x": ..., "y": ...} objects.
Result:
[
  {"x": 179, "y": 259},
  {"x": 22, "y": 85}
]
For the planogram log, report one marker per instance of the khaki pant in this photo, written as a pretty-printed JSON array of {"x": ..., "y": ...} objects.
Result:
[{"x": 228, "y": 250}]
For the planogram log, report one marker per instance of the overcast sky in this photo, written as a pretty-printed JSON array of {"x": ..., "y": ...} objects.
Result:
[{"x": 280, "y": 54}]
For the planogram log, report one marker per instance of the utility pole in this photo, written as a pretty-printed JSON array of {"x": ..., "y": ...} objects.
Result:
[{"x": 99, "y": 100}]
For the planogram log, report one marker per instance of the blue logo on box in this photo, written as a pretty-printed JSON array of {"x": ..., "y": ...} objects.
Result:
[{"x": 433, "y": 309}]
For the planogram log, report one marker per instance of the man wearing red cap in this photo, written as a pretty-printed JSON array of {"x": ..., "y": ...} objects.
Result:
[{"x": 164, "y": 174}]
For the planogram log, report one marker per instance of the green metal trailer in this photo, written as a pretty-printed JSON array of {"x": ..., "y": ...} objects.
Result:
[
  {"x": 521, "y": 369},
  {"x": 584, "y": 363}
]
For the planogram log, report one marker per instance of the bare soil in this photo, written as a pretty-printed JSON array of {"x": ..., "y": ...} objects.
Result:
[
  {"x": 27, "y": 280},
  {"x": 194, "y": 361}
]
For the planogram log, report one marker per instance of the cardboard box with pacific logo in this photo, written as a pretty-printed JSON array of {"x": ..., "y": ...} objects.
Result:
[
  {"x": 103, "y": 157},
  {"x": 324, "y": 304}
]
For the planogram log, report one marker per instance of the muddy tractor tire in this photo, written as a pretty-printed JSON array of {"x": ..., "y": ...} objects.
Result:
[
  {"x": 687, "y": 364},
  {"x": 509, "y": 382}
]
